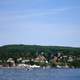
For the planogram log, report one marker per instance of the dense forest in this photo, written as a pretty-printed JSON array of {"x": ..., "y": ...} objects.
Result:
[{"x": 31, "y": 51}]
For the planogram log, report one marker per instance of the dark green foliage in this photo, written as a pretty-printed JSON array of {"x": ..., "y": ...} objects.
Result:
[
  {"x": 75, "y": 63},
  {"x": 31, "y": 51}
]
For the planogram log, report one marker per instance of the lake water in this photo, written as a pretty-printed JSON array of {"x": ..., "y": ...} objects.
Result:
[{"x": 40, "y": 74}]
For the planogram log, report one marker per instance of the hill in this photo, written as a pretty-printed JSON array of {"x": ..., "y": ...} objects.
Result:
[{"x": 16, "y": 51}]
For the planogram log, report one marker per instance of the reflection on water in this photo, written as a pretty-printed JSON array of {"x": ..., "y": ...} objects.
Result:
[{"x": 40, "y": 74}]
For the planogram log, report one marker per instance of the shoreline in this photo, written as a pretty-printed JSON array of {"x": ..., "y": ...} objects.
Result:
[{"x": 33, "y": 68}]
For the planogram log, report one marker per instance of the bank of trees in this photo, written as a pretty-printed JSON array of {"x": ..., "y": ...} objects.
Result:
[{"x": 31, "y": 51}]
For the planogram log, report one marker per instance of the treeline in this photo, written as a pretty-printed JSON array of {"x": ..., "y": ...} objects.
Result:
[{"x": 31, "y": 51}]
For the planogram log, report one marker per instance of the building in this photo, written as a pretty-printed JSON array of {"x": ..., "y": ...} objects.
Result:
[
  {"x": 40, "y": 58},
  {"x": 11, "y": 62}
]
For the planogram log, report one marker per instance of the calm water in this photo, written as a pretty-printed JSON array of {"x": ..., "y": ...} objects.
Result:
[{"x": 40, "y": 74}]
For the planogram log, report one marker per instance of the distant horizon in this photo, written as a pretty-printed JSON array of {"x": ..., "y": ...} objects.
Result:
[{"x": 40, "y": 45}]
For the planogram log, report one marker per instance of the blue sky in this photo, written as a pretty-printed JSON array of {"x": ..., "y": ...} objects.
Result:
[{"x": 40, "y": 22}]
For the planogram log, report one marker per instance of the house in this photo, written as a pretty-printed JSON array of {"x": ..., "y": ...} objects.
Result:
[
  {"x": 40, "y": 58},
  {"x": 25, "y": 61},
  {"x": 0, "y": 61},
  {"x": 19, "y": 59},
  {"x": 22, "y": 65},
  {"x": 59, "y": 54},
  {"x": 70, "y": 59},
  {"x": 54, "y": 60},
  {"x": 11, "y": 62}
]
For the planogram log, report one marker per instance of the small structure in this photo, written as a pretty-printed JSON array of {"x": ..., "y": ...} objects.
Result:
[
  {"x": 58, "y": 66},
  {"x": 34, "y": 66},
  {"x": 0, "y": 61},
  {"x": 21, "y": 65},
  {"x": 11, "y": 62},
  {"x": 19, "y": 59},
  {"x": 25, "y": 60},
  {"x": 40, "y": 58},
  {"x": 66, "y": 66},
  {"x": 70, "y": 59},
  {"x": 54, "y": 60},
  {"x": 59, "y": 54}
]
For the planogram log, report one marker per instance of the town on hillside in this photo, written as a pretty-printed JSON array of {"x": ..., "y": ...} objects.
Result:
[
  {"x": 35, "y": 56},
  {"x": 57, "y": 61}
]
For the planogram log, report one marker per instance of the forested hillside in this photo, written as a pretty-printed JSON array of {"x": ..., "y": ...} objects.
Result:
[{"x": 31, "y": 51}]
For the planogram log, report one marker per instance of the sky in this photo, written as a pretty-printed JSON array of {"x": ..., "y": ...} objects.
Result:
[{"x": 40, "y": 22}]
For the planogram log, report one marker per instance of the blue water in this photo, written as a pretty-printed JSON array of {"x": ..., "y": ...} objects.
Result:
[{"x": 40, "y": 74}]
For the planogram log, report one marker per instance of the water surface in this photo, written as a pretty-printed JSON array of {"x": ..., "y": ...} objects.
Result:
[{"x": 39, "y": 74}]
